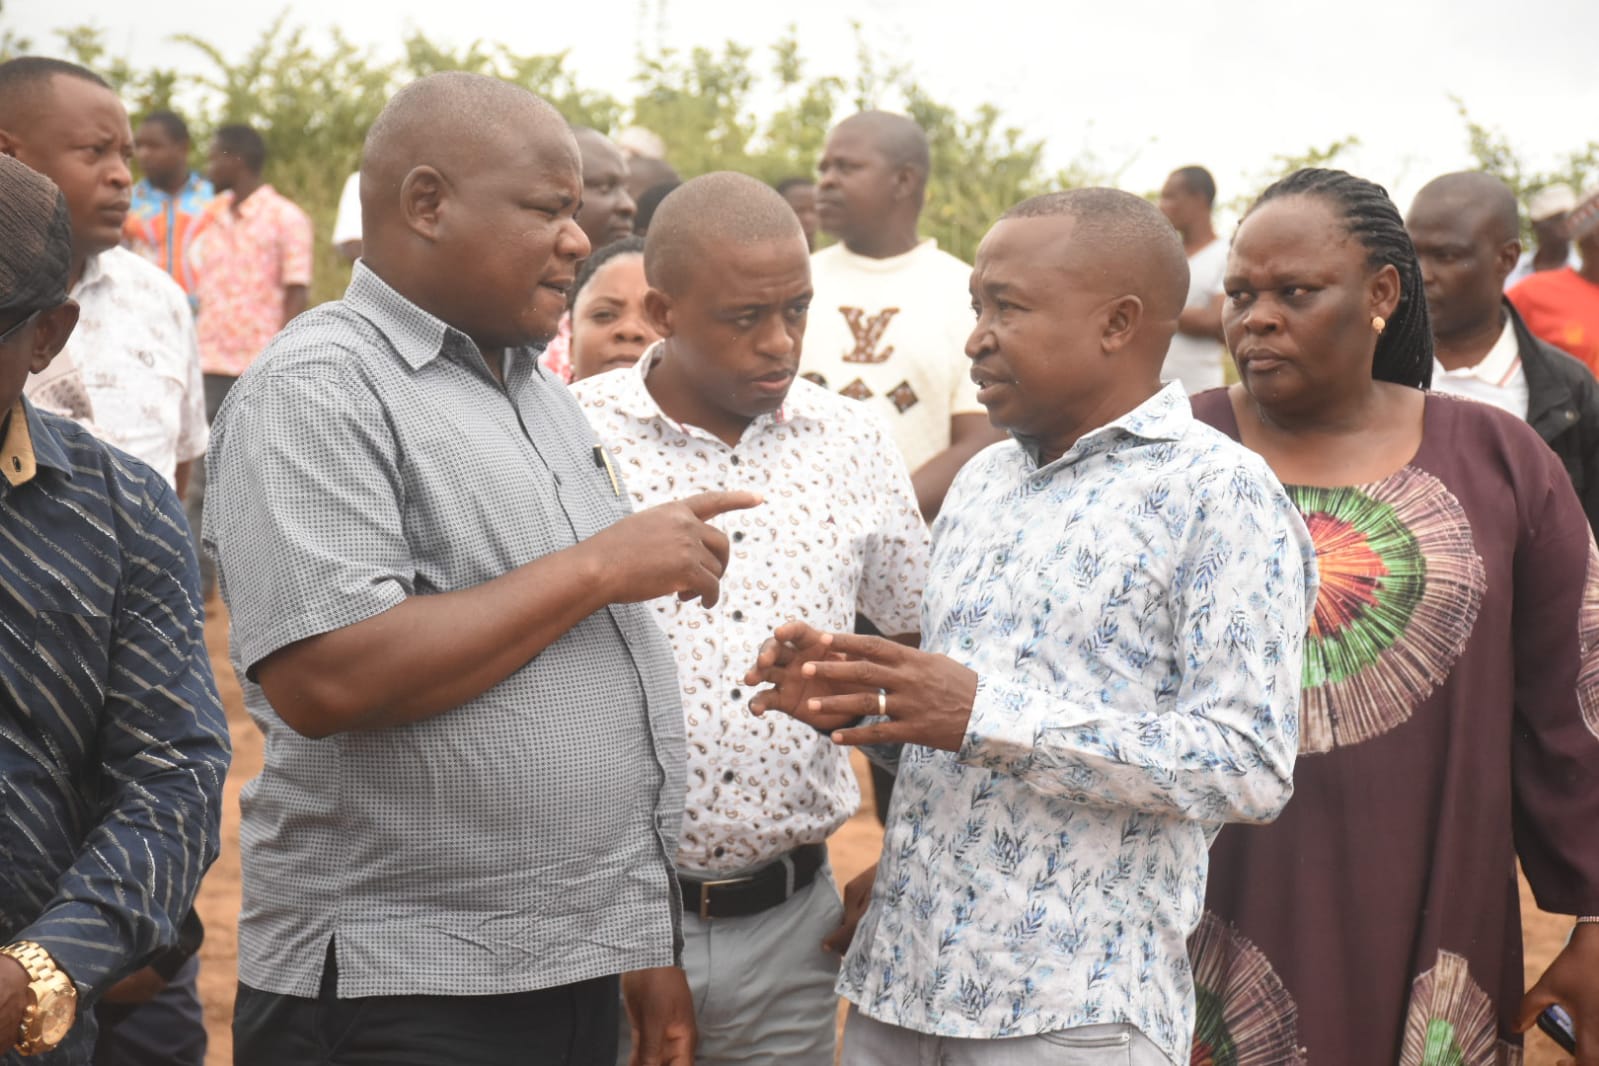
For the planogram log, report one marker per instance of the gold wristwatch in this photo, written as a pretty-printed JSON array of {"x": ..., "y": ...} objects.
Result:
[{"x": 53, "y": 999}]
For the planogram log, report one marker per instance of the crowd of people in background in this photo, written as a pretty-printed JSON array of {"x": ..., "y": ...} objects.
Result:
[{"x": 1219, "y": 612}]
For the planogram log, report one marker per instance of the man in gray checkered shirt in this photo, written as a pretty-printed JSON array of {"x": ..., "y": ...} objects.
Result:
[{"x": 464, "y": 829}]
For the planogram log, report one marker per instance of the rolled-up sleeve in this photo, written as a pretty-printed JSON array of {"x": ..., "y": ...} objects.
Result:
[
  {"x": 163, "y": 753},
  {"x": 302, "y": 510}
]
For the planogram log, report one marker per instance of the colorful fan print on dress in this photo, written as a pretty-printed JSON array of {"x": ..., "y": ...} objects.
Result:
[
  {"x": 1243, "y": 1014},
  {"x": 1401, "y": 584},
  {"x": 1452, "y": 1022},
  {"x": 1588, "y": 644}
]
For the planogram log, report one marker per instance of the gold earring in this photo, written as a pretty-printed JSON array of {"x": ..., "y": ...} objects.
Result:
[{"x": 1379, "y": 324}]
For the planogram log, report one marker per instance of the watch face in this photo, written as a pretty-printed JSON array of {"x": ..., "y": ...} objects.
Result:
[{"x": 56, "y": 1010}]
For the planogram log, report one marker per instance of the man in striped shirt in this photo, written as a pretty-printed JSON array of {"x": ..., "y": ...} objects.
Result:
[{"x": 113, "y": 746}]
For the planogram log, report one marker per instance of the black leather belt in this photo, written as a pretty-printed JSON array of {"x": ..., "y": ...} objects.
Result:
[{"x": 757, "y": 891}]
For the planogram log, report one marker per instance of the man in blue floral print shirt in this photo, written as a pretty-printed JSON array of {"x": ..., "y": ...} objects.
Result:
[{"x": 1109, "y": 671}]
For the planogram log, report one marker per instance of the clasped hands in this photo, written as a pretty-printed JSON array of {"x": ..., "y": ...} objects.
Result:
[{"x": 831, "y": 680}]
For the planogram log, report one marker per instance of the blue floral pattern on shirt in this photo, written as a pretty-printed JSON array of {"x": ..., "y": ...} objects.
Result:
[{"x": 1136, "y": 612}]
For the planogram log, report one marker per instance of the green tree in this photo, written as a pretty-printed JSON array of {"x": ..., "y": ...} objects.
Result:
[
  {"x": 1493, "y": 152},
  {"x": 1284, "y": 164}
]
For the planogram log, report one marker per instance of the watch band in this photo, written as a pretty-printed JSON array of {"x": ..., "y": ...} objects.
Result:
[{"x": 42, "y": 971}]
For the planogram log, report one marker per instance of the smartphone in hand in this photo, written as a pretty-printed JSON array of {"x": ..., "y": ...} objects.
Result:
[{"x": 1557, "y": 1023}]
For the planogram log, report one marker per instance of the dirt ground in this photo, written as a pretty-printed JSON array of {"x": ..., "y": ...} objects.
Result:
[{"x": 853, "y": 849}]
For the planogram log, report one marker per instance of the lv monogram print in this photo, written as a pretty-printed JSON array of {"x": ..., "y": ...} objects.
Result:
[{"x": 868, "y": 331}]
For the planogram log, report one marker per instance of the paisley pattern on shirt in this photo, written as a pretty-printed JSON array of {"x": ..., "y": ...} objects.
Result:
[
  {"x": 838, "y": 531},
  {"x": 1401, "y": 584},
  {"x": 130, "y": 372},
  {"x": 1135, "y": 612}
]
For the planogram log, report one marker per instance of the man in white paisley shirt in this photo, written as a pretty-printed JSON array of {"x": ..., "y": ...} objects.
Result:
[
  {"x": 131, "y": 373},
  {"x": 716, "y": 403},
  {"x": 1112, "y": 640}
]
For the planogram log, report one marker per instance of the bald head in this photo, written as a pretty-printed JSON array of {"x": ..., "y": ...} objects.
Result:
[
  {"x": 35, "y": 239},
  {"x": 1486, "y": 199},
  {"x": 469, "y": 191},
  {"x": 1124, "y": 243},
  {"x": 645, "y": 173},
  {"x": 1467, "y": 234},
  {"x": 452, "y": 122},
  {"x": 709, "y": 212},
  {"x": 898, "y": 139},
  {"x": 608, "y": 210}
]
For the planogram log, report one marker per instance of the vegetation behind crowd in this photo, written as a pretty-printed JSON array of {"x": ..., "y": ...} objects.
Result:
[{"x": 755, "y": 110}]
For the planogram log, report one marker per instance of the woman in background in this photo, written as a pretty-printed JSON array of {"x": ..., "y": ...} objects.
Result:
[
  {"x": 609, "y": 327},
  {"x": 1450, "y": 714}
]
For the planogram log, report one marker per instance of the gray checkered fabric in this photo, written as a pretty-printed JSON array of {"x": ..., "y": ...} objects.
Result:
[{"x": 520, "y": 841}]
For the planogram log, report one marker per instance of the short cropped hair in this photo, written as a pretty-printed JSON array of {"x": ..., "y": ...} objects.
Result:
[
  {"x": 244, "y": 142},
  {"x": 1199, "y": 182},
  {"x": 172, "y": 122},
  {"x": 25, "y": 79}
]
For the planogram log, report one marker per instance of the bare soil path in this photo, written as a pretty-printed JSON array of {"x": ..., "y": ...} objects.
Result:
[{"x": 853, "y": 849}]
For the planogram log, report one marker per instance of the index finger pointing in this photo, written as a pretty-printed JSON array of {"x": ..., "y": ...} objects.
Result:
[{"x": 708, "y": 505}]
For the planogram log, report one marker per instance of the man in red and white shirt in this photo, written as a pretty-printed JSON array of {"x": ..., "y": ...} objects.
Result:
[
  {"x": 715, "y": 405},
  {"x": 254, "y": 265},
  {"x": 254, "y": 257}
]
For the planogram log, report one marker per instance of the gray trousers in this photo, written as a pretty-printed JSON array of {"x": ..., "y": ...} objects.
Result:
[
  {"x": 868, "y": 1042},
  {"x": 763, "y": 986}
]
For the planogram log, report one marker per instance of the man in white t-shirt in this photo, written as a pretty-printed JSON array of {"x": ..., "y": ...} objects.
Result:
[
  {"x": 1547, "y": 210},
  {"x": 892, "y": 313},
  {"x": 1196, "y": 356}
]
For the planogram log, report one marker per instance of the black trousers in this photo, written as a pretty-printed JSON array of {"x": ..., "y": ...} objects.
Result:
[{"x": 571, "y": 1025}]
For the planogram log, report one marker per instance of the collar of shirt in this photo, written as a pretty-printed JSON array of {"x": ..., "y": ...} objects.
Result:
[
  {"x": 257, "y": 202},
  {"x": 1164, "y": 416},
  {"x": 633, "y": 398},
  {"x": 194, "y": 185},
  {"x": 95, "y": 272},
  {"x": 1495, "y": 368},
  {"x": 417, "y": 334},
  {"x": 889, "y": 264},
  {"x": 29, "y": 444}
]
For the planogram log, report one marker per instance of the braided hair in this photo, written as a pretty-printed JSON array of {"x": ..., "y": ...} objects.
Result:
[{"x": 1404, "y": 350}]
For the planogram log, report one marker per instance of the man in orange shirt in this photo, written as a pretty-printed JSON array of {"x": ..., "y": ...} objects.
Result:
[
  {"x": 1562, "y": 306},
  {"x": 169, "y": 202}
]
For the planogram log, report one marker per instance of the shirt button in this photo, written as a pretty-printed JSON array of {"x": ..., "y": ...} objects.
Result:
[
  {"x": 738, "y": 535},
  {"x": 727, "y": 778},
  {"x": 738, "y": 694},
  {"x": 735, "y": 460},
  {"x": 738, "y": 616}
]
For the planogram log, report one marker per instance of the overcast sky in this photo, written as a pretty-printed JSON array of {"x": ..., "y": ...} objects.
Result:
[{"x": 1145, "y": 84}]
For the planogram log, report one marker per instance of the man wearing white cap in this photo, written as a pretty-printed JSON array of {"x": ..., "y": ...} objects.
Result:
[
  {"x": 1547, "y": 208},
  {"x": 1562, "y": 306}
]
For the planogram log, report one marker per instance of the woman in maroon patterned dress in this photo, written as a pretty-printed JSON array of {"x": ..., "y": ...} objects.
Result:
[{"x": 1450, "y": 712}]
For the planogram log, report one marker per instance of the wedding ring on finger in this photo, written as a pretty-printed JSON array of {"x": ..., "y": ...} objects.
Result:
[{"x": 882, "y": 703}]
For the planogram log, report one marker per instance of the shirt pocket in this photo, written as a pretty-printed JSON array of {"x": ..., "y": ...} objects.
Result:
[{"x": 1093, "y": 1045}]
